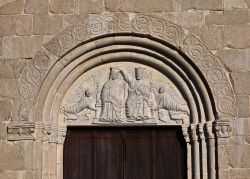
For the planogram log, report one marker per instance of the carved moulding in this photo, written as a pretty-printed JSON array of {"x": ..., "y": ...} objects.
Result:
[
  {"x": 142, "y": 24},
  {"x": 20, "y": 131}
]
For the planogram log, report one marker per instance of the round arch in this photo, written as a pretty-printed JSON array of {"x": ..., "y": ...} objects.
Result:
[{"x": 119, "y": 37}]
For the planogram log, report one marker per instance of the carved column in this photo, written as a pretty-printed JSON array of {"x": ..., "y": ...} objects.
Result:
[
  {"x": 189, "y": 152},
  {"x": 53, "y": 151},
  {"x": 60, "y": 140},
  {"x": 45, "y": 146},
  {"x": 211, "y": 148},
  {"x": 195, "y": 152},
  {"x": 38, "y": 147},
  {"x": 203, "y": 151}
]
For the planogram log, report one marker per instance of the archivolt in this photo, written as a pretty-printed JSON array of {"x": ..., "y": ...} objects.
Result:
[{"x": 143, "y": 39}]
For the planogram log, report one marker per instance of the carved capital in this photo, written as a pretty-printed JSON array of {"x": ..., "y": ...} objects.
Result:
[
  {"x": 209, "y": 130},
  {"x": 185, "y": 134},
  {"x": 53, "y": 133},
  {"x": 20, "y": 131},
  {"x": 194, "y": 132},
  {"x": 223, "y": 128},
  {"x": 201, "y": 131},
  {"x": 61, "y": 134}
]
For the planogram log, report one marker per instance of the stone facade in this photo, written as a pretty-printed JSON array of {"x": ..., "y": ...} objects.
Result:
[{"x": 39, "y": 38}]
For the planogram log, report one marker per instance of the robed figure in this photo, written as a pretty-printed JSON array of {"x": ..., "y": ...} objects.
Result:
[
  {"x": 137, "y": 103},
  {"x": 113, "y": 98}
]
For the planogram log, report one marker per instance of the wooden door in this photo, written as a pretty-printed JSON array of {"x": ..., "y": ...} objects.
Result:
[{"x": 124, "y": 153}]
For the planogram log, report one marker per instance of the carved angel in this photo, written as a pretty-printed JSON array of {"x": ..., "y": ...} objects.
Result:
[
  {"x": 86, "y": 102},
  {"x": 167, "y": 102}
]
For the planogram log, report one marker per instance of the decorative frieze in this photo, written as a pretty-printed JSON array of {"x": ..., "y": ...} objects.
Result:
[{"x": 20, "y": 131}]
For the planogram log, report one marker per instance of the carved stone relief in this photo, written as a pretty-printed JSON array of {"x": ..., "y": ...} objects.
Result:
[{"x": 124, "y": 92}]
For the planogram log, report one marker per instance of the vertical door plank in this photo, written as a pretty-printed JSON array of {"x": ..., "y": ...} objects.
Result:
[
  {"x": 86, "y": 150},
  {"x": 109, "y": 155},
  {"x": 168, "y": 156},
  {"x": 137, "y": 157}
]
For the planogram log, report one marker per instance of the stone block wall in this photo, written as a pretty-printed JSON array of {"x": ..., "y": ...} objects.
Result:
[{"x": 223, "y": 25}]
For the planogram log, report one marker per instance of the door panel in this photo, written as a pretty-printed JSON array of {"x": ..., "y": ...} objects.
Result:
[
  {"x": 109, "y": 155},
  {"x": 137, "y": 159},
  {"x": 124, "y": 153}
]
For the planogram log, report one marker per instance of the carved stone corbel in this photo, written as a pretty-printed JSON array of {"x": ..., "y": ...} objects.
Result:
[{"x": 223, "y": 128}]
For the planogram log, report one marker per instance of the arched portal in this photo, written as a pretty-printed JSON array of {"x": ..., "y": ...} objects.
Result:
[{"x": 171, "y": 57}]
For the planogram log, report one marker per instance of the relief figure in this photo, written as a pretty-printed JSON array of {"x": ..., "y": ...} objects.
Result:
[
  {"x": 137, "y": 103},
  {"x": 112, "y": 97},
  {"x": 86, "y": 101},
  {"x": 167, "y": 102}
]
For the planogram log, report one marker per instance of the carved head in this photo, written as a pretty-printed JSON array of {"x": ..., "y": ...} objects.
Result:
[
  {"x": 139, "y": 73},
  {"x": 114, "y": 72},
  {"x": 161, "y": 90},
  {"x": 88, "y": 92}
]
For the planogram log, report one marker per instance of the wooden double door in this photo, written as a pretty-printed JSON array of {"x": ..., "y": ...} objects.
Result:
[{"x": 124, "y": 153}]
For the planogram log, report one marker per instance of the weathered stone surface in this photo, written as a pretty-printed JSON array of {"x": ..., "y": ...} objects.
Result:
[
  {"x": 190, "y": 18},
  {"x": 9, "y": 174},
  {"x": 237, "y": 36},
  {"x": 12, "y": 7},
  {"x": 8, "y": 28},
  {"x": 247, "y": 127},
  {"x": 3, "y": 129},
  {"x": 248, "y": 59},
  {"x": 247, "y": 138},
  {"x": 196, "y": 30},
  {"x": 180, "y": 5},
  {"x": 71, "y": 19},
  {"x": 213, "y": 37},
  {"x": 233, "y": 59},
  {"x": 9, "y": 88},
  {"x": 1, "y": 47},
  {"x": 227, "y": 17},
  {"x": 243, "y": 105},
  {"x": 235, "y": 4},
  {"x": 158, "y": 6},
  {"x": 24, "y": 25},
  {"x": 46, "y": 25},
  {"x": 85, "y": 7},
  {"x": 28, "y": 153},
  {"x": 239, "y": 126},
  {"x": 241, "y": 82},
  {"x": 119, "y": 5},
  {"x": 15, "y": 159},
  {"x": 222, "y": 157},
  {"x": 21, "y": 47},
  {"x": 11, "y": 69},
  {"x": 224, "y": 174},
  {"x": 36, "y": 6},
  {"x": 235, "y": 155},
  {"x": 5, "y": 110},
  {"x": 208, "y": 5},
  {"x": 61, "y": 6},
  {"x": 245, "y": 162},
  {"x": 248, "y": 3}
]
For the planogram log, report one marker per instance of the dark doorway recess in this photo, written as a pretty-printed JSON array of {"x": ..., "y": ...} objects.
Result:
[{"x": 124, "y": 153}]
